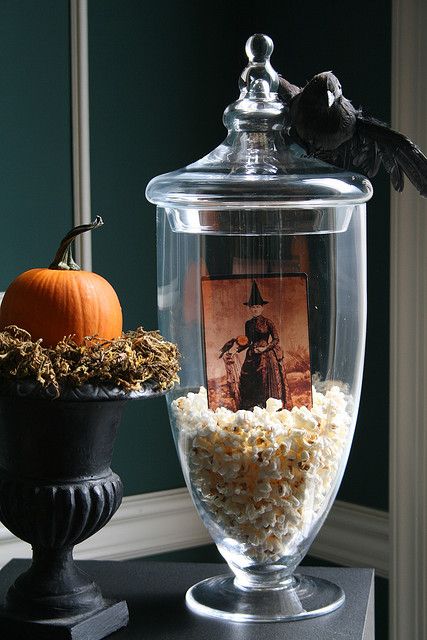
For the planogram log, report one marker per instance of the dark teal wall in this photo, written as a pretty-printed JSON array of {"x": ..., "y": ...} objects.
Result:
[
  {"x": 161, "y": 75},
  {"x": 35, "y": 133},
  {"x": 133, "y": 138}
]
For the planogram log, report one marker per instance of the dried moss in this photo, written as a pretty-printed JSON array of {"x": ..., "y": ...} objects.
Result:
[{"x": 129, "y": 362}]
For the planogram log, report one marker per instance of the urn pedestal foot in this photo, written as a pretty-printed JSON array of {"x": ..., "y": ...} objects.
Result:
[
  {"x": 95, "y": 625},
  {"x": 54, "y": 599}
]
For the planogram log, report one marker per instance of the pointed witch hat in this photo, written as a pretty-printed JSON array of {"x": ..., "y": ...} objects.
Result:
[{"x": 255, "y": 297}]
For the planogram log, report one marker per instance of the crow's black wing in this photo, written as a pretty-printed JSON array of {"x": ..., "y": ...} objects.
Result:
[
  {"x": 341, "y": 157},
  {"x": 398, "y": 154},
  {"x": 374, "y": 144}
]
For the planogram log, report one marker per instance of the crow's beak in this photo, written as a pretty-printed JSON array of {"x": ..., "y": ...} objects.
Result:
[{"x": 331, "y": 98}]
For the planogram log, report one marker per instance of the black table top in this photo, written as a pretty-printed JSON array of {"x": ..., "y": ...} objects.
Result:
[{"x": 155, "y": 594}]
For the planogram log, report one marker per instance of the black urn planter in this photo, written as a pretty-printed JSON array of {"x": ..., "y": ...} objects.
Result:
[{"x": 56, "y": 490}]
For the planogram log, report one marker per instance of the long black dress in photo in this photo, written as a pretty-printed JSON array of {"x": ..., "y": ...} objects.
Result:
[{"x": 262, "y": 374}]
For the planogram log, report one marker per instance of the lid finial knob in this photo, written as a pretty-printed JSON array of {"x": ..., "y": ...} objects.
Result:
[
  {"x": 258, "y": 107},
  {"x": 259, "y": 48},
  {"x": 259, "y": 77}
]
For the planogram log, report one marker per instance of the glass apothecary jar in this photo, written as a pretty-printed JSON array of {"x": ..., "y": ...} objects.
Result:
[{"x": 262, "y": 285}]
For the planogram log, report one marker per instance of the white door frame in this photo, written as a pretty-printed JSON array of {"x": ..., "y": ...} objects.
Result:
[
  {"x": 408, "y": 339},
  {"x": 80, "y": 128}
]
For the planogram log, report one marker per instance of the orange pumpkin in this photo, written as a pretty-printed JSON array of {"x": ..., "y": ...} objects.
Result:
[{"x": 63, "y": 300}]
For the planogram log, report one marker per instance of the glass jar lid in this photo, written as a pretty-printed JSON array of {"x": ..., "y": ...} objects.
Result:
[{"x": 256, "y": 166}]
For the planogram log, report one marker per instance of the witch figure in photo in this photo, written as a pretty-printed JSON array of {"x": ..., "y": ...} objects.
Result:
[{"x": 262, "y": 375}]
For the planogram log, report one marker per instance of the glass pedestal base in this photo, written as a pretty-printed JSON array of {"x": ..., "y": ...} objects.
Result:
[{"x": 304, "y": 597}]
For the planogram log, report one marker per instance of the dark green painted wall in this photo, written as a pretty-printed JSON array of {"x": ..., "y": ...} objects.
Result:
[
  {"x": 35, "y": 133},
  {"x": 130, "y": 127},
  {"x": 161, "y": 75}
]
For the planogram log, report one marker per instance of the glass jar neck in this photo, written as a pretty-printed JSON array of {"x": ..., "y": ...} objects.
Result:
[{"x": 256, "y": 152}]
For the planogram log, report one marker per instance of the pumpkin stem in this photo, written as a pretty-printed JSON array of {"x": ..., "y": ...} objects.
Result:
[{"x": 63, "y": 259}]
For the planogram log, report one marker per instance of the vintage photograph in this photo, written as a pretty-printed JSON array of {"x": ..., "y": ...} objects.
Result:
[{"x": 256, "y": 340}]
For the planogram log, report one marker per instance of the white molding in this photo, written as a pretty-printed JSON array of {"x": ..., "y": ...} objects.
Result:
[
  {"x": 148, "y": 524},
  {"x": 145, "y": 524},
  {"x": 154, "y": 523},
  {"x": 354, "y": 536},
  {"x": 408, "y": 339},
  {"x": 80, "y": 127}
]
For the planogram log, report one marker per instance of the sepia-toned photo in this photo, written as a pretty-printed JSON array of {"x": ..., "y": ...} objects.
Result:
[{"x": 256, "y": 341}]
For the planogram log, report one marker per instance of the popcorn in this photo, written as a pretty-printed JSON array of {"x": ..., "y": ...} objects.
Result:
[
  {"x": 264, "y": 476},
  {"x": 273, "y": 405}
]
